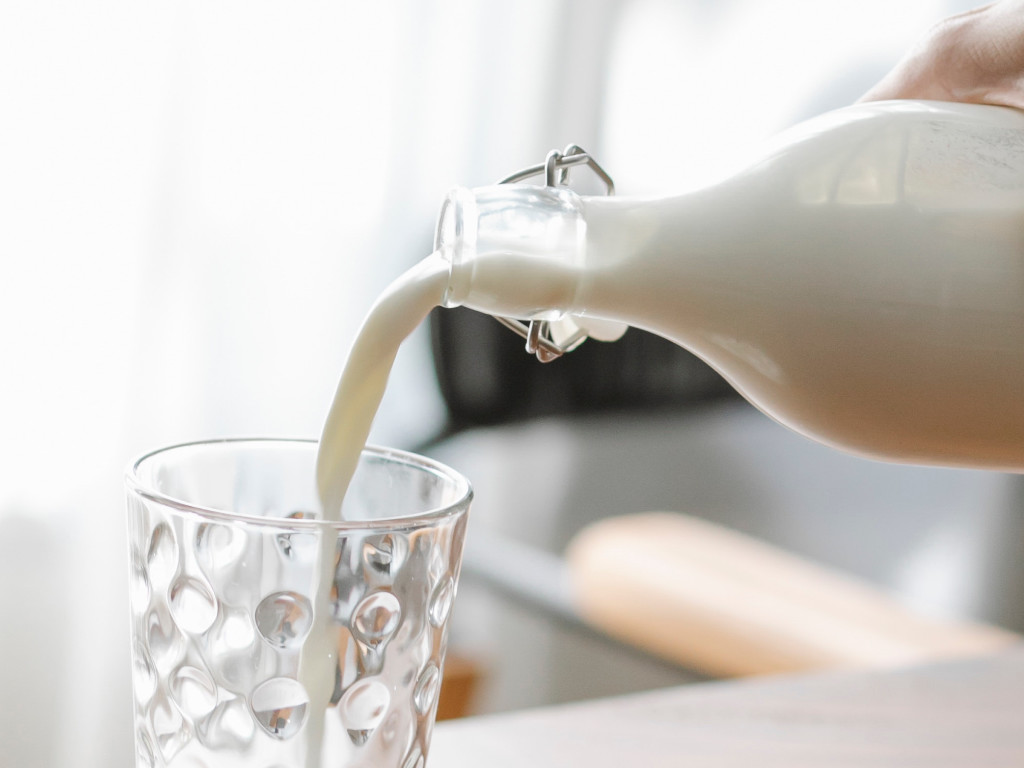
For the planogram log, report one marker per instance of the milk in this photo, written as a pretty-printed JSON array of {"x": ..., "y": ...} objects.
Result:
[{"x": 396, "y": 314}]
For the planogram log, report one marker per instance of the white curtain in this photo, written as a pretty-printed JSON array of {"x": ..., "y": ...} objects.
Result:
[{"x": 199, "y": 201}]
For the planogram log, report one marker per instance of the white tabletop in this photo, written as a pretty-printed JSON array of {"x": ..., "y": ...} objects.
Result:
[{"x": 965, "y": 714}]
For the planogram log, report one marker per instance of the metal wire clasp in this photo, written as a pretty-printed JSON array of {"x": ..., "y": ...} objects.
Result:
[{"x": 538, "y": 333}]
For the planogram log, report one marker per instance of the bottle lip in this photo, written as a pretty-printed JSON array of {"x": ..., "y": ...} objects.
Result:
[{"x": 456, "y": 235}]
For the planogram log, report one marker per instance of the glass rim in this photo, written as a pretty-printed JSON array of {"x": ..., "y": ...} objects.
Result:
[{"x": 429, "y": 516}]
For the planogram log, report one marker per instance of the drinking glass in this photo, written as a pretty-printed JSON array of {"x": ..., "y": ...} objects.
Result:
[{"x": 267, "y": 637}]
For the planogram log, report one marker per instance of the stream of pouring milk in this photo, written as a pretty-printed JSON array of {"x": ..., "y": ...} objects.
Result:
[
  {"x": 396, "y": 314},
  {"x": 393, "y": 317}
]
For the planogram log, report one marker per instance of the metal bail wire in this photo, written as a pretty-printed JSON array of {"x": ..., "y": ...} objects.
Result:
[{"x": 555, "y": 170}]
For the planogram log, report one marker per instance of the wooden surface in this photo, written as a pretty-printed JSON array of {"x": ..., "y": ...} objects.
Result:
[
  {"x": 963, "y": 714},
  {"x": 720, "y": 602},
  {"x": 462, "y": 676}
]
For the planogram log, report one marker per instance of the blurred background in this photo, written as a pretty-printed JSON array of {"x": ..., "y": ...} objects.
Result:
[{"x": 200, "y": 202}]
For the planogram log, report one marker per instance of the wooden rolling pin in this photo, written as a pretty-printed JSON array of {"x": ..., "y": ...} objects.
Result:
[{"x": 723, "y": 603}]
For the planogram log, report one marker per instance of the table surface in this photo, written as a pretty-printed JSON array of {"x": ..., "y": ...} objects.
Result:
[{"x": 967, "y": 713}]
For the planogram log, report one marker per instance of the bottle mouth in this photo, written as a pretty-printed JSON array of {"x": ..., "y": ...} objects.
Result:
[
  {"x": 445, "y": 231},
  {"x": 454, "y": 235}
]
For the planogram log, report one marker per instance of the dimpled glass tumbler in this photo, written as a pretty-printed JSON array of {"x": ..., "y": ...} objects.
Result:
[{"x": 264, "y": 636}]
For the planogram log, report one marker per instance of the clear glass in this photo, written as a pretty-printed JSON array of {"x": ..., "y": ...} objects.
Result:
[{"x": 264, "y": 636}]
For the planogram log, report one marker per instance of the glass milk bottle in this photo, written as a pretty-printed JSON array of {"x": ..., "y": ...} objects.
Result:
[{"x": 862, "y": 282}]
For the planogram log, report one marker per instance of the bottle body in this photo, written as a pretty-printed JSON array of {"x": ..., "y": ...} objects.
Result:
[{"x": 863, "y": 283}]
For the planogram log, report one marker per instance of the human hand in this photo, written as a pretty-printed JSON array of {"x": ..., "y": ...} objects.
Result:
[{"x": 977, "y": 56}]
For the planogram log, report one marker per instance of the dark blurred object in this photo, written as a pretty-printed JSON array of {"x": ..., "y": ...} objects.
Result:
[{"x": 487, "y": 378}]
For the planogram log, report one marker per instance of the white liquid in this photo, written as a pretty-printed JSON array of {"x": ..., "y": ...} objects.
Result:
[
  {"x": 887, "y": 333},
  {"x": 395, "y": 315}
]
